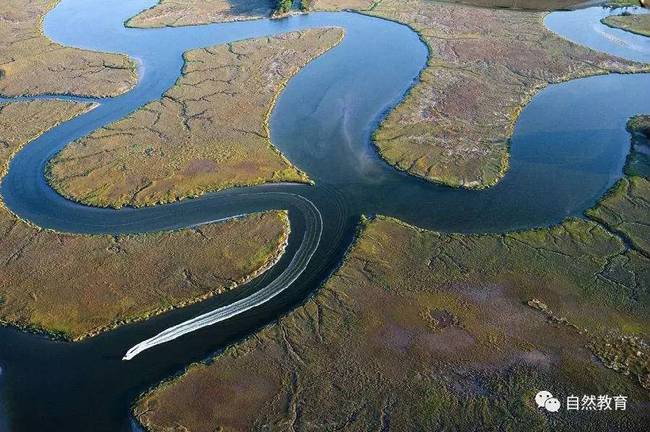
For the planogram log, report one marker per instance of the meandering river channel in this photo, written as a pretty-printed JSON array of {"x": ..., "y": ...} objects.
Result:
[{"x": 568, "y": 148}]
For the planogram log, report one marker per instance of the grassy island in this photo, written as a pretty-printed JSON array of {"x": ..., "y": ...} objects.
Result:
[
  {"x": 205, "y": 134},
  {"x": 78, "y": 285},
  {"x": 422, "y": 330},
  {"x": 30, "y": 63}
]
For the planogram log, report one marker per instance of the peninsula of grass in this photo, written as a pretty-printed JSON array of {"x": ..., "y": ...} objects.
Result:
[
  {"x": 208, "y": 132},
  {"x": 75, "y": 286},
  {"x": 639, "y": 24},
  {"x": 614, "y": 4},
  {"x": 30, "y": 63},
  {"x": 484, "y": 66},
  {"x": 171, "y": 13}
]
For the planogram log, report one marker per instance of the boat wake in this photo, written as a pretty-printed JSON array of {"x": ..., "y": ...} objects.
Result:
[{"x": 308, "y": 246}]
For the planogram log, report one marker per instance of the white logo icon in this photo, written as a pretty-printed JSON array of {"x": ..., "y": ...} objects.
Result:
[
  {"x": 542, "y": 397},
  {"x": 545, "y": 399},
  {"x": 552, "y": 405}
]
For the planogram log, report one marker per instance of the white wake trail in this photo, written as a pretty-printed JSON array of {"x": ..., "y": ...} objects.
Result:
[{"x": 310, "y": 242}]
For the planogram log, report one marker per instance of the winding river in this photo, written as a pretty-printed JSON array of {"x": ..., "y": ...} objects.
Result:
[{"x": 568, "y": 148}]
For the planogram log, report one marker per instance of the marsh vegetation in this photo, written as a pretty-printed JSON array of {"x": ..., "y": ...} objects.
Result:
[
  {"x": 30, "y": 63},
  {"x": 455, "y": 125},
  {"x": 78, "y": 285},
  {"x": 422, "y": 330},
  {"x": 193, "y": 12},
  {"x": 207, "y": 133},
  {"x": 433, "y": 331}
]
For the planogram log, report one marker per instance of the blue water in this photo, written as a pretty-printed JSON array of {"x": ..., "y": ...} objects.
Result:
[
  {"x": 583, "y": 27},
  {"x": 568, "y": 148}
]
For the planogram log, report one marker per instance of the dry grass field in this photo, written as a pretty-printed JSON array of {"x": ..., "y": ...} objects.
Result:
[{"x": 31, "y": 64}]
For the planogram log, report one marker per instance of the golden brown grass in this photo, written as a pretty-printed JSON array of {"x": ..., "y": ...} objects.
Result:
[
  {"x": 208, "y": 132},
  {"x": 359, "y": 5},
  {"x": 192, "y": 12},
  {"x": 30, "y": 63},
  {"x": 78, "y": 285},
  {"x": 430, "y": 331},
  {"x": 539, "y": 5},
  {"x": 639, "y": 24}
]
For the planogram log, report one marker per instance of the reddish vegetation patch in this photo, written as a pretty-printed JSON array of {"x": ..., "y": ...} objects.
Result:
[
  {"x": 433, "y": 331},
  {"x": 200, "y": 166}
]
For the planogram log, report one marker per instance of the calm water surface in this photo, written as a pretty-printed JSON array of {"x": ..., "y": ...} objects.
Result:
[{"x": 569, "y": 146}]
